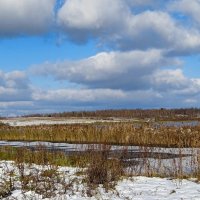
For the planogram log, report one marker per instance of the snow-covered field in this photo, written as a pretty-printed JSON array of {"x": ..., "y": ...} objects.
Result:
[
  {"x": 129, "y": 188},
  {"x": 28, "y": 121}
]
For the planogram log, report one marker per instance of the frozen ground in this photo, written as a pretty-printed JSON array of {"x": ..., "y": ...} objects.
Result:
[
  {"x": 129, "y": 188},
  {"x": 28, "y": 121},
  {"x": 137, "y": 188}
]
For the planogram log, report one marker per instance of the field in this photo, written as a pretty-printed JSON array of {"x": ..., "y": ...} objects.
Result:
[{"x": 100, "y": 157}]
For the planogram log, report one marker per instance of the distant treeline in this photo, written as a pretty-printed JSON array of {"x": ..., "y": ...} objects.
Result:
[{"x": 159, "y": 114}]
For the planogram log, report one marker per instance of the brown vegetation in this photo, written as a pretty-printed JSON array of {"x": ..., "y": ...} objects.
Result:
[
  {"x": 158, "y": 114},
  {"x": 107, "y": 133}
]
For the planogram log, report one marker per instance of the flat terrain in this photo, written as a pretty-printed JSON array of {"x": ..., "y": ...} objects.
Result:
[
  {"x": 99, "y": 158},
  {"x": 29, "y": 121},
  {"x": 137, "y": 188}
]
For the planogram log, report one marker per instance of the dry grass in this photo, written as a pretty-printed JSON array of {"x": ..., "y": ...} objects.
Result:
[
  {"x": 106, "y": 133},
  {"x": 97, "y": 164},
  {"x": 98, "y": 167},
  {"x": 39, "y": 156}
]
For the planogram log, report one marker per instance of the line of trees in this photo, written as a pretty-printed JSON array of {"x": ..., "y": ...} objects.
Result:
[{"x": 183, "y": 113}]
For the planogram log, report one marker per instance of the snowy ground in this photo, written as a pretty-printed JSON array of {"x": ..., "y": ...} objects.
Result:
[
  {"x": 28, "y": 121},
  {"x": 129, "y": 188},
  {"x": 138, "y": 188}
]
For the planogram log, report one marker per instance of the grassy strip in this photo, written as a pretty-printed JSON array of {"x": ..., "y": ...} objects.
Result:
[
  {"x": 42, "y": 156},
  {"x": 39, "y": 156},
  {"x": 106, "y": 133}
]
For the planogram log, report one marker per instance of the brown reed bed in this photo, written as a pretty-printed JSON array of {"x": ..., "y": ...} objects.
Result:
[
  {"x": 106, "y": 133},
  {"x": 40, "y": 155}
]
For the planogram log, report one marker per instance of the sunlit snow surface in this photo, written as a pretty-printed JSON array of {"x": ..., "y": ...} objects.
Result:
[
  {"x": 29, "y": 121},
  {"x": 129, "y": 188}
]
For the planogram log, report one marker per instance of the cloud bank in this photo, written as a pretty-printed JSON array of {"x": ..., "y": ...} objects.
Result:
[
  {"x": 25, "y": 17},
  {"x": 141, "y": 65}
]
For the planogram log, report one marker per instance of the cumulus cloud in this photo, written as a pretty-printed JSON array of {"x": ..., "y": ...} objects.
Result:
[
  {"x": 94, "y": 98},
  {"x": 82, "y": 19},
  {"x": 25, "y": 16},
  {"x": 113, "y": 23},
  {"x": 183, "y": 91},
  {"x": 155, "y": 29},
  {"x": 14, "y": 86},
  {"x": 141, "y": 3},
  {"x": 148, "y": 4},
  {"x": 174, "y": 82},
  {"x": 169, "y": 79},
  {"x": 76, "y": 99},
  {"x": 189, "y": 8},
  {"x": 73, "y": 96},
  {"x": 141, "y": 67},
  {"x": 117, "y": 70},
  {"x": 118, "y": 27},
  {"x": 15, "y": 108},
  {"x": 117, "y": 79}
]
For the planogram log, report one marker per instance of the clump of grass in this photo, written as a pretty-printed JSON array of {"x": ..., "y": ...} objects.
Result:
[
  {"x": 101, "y": 169},
  {"x": 7, "y": 182},
  {"x": 5, "y": 189}
]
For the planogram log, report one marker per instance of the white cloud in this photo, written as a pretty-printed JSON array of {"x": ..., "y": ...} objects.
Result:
[
  {"x": 141, "y": 3},
  {"x": 141, "y": 68},
  {"x": 117, "y": 70},
  {"x": 14, "y": 86},
  {"x": 191, "y": 101},
  {"x": 19, "y": 17},
  {"x": 83, "y": 19},
  {"x": 158, "y": 29},
  {"x": 191, "y": 90},
  {"x": 95, "y": 98},
  {"x": 118, "y": 27},
  {"x": 15, "y": 108},
  {"x": 169, "y": 79},
  {"x": 188, "y": 7},
  {"x": 120, "y": 79},
  {"x": 7, "y": 105},
  {"x": 78, "y": 95},
  {"x": 76, "y": 99},
  {"x": 148, "y": 4},
  {"x": 20, "y": 99}
]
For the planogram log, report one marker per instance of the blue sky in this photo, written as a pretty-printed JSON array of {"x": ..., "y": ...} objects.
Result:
[{"x": 98, "y": 54}]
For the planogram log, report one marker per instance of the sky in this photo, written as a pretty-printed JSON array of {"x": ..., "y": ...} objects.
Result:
[{"x": 71, "y": 55}]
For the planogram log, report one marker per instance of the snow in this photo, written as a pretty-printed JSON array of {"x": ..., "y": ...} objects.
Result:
[
  {"x": 139, "y": 188},
  {"x": 144, "y": 188},
  {"x": 29, "y": 121}
]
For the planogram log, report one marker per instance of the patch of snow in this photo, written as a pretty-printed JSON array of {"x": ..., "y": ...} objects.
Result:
[
  {"x": 136, "y": 188},
  {"x": 29, "y": 121}
]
